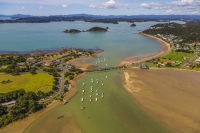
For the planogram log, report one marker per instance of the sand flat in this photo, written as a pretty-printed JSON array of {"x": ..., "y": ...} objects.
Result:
[{"x": 172, "y": 96}]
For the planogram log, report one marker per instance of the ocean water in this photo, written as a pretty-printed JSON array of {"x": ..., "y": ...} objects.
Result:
[
  {"x": 120, "y": 42},
  {"x": 117, "y": 112}
]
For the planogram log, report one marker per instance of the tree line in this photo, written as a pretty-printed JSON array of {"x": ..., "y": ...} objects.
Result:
[
  {"x": 26, "y": 103},
  {"x": 189, "y": 33}
]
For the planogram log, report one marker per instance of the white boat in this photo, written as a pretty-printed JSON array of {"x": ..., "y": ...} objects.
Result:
[
  {"x": 102, "y": 96},
  {"x": 90, "y": 100},
  {"x": 102, "y": 84},
  {"x": 97, "y": 94},
  {"x": 91, "y": 91},
  {"x": 82, "y": 99},
  {"x": 83, "y": 90},
  {"x": 96, "y": 99},
  {"x": 96, "y": 90},
  {"x": 83, "y": 83},
  {"x": 106, "y": 76},
  {"x": 82, "y": 93},
  {"x": 90, "y": 95}
]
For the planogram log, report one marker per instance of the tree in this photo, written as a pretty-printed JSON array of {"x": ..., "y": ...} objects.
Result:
[
  {"x": 33, "y": 71},
  {"x": 71, "y": 77}
]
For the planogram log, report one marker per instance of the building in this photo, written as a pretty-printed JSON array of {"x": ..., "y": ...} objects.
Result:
[{"x": 8, "y": 103}]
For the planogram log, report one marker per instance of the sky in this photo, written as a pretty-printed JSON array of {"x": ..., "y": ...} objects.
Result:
[{"x": 99, "y": 7}]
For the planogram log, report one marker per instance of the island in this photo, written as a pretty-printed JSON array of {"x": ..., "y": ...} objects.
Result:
[
  {"x": 97, "y": 29},
  {"x": 72, "y": 31},
  {"x": 93, "y": 29},
  {"x": 133, "y": 25}
]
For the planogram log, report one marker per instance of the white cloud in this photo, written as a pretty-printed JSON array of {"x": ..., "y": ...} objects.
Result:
[
  {"x": 169, "y": 11},
  {"x": 93, "y": 6},
  {"x": 150, "y": 5},
  {"x": 21, "y": 7},
  {"x": 127, "y": 6},
  {"x": 111, "y": 4},
  {"x": 185, "y": 2},
  {"x": 40, "y": 7},
  {"x": 64, "y": 5}
]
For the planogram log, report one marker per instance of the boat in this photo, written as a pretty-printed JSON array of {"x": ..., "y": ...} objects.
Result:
[
  {"x": 96, "y": 99},
  {"x": 82, "y": 99}
]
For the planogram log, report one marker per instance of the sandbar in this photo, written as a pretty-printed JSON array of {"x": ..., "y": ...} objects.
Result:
[{"x": 171, "y": 96}]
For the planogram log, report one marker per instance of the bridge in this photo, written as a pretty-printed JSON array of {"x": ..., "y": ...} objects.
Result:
[{"x": 104, "y": 69}]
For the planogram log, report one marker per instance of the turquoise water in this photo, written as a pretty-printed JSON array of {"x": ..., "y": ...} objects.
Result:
[{"x": 119, "y": 43}]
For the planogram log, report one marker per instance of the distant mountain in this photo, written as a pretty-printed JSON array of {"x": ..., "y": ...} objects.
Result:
[
  {"x": 135, "y": 16},
  {"x": 20, "y": 16},
  {"x": 113, "y": 16}
]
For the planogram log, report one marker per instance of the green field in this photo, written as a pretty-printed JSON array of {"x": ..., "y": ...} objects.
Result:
[
  {"x": 177, "y": 56},
  {"x": 41, "y": 81},
  {"x": 117, "y": 112}
]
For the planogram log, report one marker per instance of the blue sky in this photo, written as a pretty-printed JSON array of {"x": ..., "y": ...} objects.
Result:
[{"x": 99, "y": 7}]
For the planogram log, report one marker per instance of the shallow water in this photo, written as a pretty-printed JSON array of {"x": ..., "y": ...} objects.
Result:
[{"x": 116, "y": 112}]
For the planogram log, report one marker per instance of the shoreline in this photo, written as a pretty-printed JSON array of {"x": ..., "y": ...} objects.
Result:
[
  {"x": 133, "y": 59},
  {"x": 21, "y": 125},
  {"x": 45, "y": 51},
  {"x": 79, "y": 62}
]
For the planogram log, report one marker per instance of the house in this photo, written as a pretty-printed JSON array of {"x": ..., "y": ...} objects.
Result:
[
  {"x": 190, "y": 65},
  {"x": 197, "y": 60},
  {"x": 21, "y": 64},
  {"x": 165, "y": 63},
  {"x": 8, "y": 103},
  {"x": 197, "y": 44},
  {"x": 47, "y": 62}
]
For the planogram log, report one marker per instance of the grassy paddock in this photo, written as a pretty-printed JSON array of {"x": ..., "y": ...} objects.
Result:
[
  {"x": 41, "y": 81},
  {"x": 178, "y": 56}
]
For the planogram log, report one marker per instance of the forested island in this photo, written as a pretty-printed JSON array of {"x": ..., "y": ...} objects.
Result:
[
  {"x": 133, "y": 25},
  {"x": 72, "y": 31},
  {"x": 93, "y": 29}
]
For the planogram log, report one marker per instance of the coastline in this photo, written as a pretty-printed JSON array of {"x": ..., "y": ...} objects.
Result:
[
  {"x": 80, "y": 62},
  {"x": 133, "y": 59},
  {"x": 21, "y": 125}
]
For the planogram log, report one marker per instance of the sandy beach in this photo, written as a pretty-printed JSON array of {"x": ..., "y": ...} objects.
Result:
[
  {"x": 133, "y": 59},
  {"x": 171, "y": 96}
]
